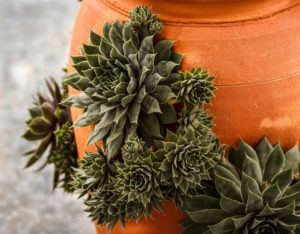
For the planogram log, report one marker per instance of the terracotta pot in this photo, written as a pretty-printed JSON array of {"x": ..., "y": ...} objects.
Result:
[{"x": 253, "y": 49}]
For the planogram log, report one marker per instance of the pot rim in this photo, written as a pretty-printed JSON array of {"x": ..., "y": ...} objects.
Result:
[{"x": 193, "y": 12}]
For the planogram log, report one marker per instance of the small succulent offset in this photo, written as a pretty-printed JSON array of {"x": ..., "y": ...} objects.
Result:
[
  {"x": 64, "y": 157},
  {"x": 144, "y": 21},
  {"x": 195, "y": 118},
  {"x": 258, "y": 195},
  {"x": 133, "y": 147},
  {"x": 187, "y": 158},
  {"x": 195, "y": 87},
  {"x": 94, "y": 179},
  {"x": 48, "y": 121},
  {"x": 103, "y": 208},
  {"x": 92, "y": 173},
  {"x": 125, "y": 79},
  {"x": 138, "y": 179}
]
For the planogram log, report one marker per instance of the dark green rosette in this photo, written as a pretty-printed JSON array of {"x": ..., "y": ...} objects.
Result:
[
  {"x": 94, "y": 179},
  {"x": 125, "y": 79},
  {"x": 133, "y": 147},
  {"x": 196, "y": 118},
  {"x": 257, "y": 195},
  {"x": 144, "y": 22},
  {"x": 138, "y": 179},
  {"x": 103, "y": 208},
  {"x": 93, "y": 173},
  {"x": 195, "y": 87},
  {"x": 187, "y": 157}
]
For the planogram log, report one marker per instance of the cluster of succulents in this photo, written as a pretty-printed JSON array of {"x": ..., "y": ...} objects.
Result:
[
  {"x": 158, "y": 142},
  {"x": 130, "y": 84},
  {"x": 49, "y": 124}
]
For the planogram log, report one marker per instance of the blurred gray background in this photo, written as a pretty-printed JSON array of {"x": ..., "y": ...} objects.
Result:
[{"x": 34, "y": 43}]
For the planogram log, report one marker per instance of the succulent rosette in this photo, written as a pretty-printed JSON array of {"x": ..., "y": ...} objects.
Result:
[
  {"x": 133, "y": 147},
  {"x": 195, "y": 87},
  {"x": 48, "y": 120},
  {"x": 94, "y": 179},
  {"x": 196, "y": 118},
  {"x": 138, "y": 179},
  {"x": 144, "y": 21},
  {"x": 258, "y": 195},
  {"x": 125, "y": 83},
  {"x": 93, "y": 173},
  {"x": 187, "y": 158},
  {"x": 102, "y": 208}
]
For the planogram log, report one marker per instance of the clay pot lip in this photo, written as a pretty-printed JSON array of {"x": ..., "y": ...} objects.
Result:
[{"x": 221, "y": 12}]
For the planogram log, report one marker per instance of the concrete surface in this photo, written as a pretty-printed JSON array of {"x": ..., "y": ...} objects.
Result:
[{"x": 34, "y": 44}]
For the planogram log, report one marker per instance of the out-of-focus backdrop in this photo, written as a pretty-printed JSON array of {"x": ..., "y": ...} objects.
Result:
[{"x": 34, "y": 44}]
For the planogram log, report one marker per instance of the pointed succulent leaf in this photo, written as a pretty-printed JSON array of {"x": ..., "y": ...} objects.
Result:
[
  {"x": 201, "y": 202},
  {"x": 284, "y": 179},
  {"x": 243, "y": 150},
  {"x": 263, "y": 151},
  {"x": 274, "y": 163},
  {"x": 232, "y": 206},
  {"x": 224, "y": 226},
  {"x": 292, "y": 159},
  {"x": 271, "y": 194},
  {"x": 208, "y": 216},
  {"x": 254, "y": 202},
  {"x": 150, "y": 125},
  {"x": 249, "y": 184},
  {"x": 168, "y": 115},
  {"x": 228, "y": 187},
  {"x": 163, "y": 49},
  {"x": 40, "y": 125},
  {"x": 252, "y": 169}
]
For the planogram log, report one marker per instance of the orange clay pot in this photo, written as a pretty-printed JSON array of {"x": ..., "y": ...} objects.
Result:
[{"x": 253, "y": 49}]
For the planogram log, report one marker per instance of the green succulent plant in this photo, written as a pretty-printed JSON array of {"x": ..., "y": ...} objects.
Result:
[
  {"x": 195, "y": 87},
  {"x": 94, "y": 179},
  {"x": 187, "y": 158},
  {"x": 119, "y": 190},
  {"x": 144, "y": 22},
  {"x": 133, "y": 147},
  {"x": 103, "y": 208},
  {"x": 64, "y": 157},
  {"x": 138, "y": 179},
  {"x": 93, "y": 173},
  {"x": 196, "y": 118},
  {"x": 48, "y": 122},
  {"x": 291, "y": 157},
  {"x": 257, "y": 195},
  {"x": 124, "y": 81}
]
